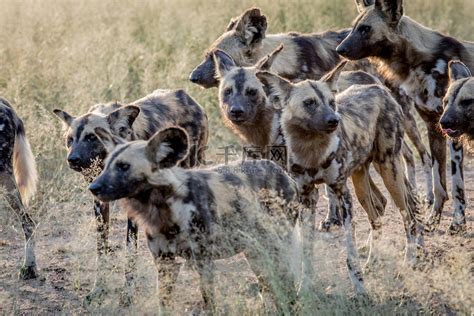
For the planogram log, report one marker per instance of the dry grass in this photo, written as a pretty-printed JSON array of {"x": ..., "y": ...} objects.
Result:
[{"x": 72, "y": 54}]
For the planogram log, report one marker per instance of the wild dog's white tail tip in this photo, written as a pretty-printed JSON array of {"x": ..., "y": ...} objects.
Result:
[
  {"x": 24, "y": 168},
  {"x": 296, "y": 254}
]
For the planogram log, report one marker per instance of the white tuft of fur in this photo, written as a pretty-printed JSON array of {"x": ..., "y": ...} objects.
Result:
[
  {"x": 296, "y": 254},
  {"x": 24, "y": 167}
]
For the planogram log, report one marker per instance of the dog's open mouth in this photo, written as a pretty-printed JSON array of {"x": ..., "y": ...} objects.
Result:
[{"x": 452, "y": 132}]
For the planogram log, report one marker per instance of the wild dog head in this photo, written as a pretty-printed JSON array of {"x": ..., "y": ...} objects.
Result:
[
  {"x": 373, "y": 29},
  {"x": 241, "y": 94},
  {"x": 427, "y": 87},
  {"x": 242, "y": 38},
  {"x": 83, "y": 144},
  {"x": 309, "y": 106},
  {"x": 129, "y": 167},
  {"x": 458, "y": 116}
]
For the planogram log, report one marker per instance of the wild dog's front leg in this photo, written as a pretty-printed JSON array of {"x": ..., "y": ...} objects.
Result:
[
  {"x": 332, "y": 217},
  {"x": 457, "y": 156},
  {"x": 101, "y": 212},
  {"x": 410, "y": 164},
  {"x": 28, "y": 269},
  {"x": 130, "y": 270},
  {"x": 206, "y": 270},
  {"x": 438, "y": 152},
  {"x": 345, "y": 205},
  {"x": 167, "y": 268}
]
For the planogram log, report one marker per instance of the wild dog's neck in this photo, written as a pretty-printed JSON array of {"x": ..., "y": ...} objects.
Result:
[
  {"x": 258, "y": 131},
  {"x": 310, "y": 150},
  {"x": 413, "y": 46}
]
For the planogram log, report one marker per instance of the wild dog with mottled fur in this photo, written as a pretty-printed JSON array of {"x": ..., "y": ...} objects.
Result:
[
  {"x": 457, "y": 122},
  {"x": 137, "y": 120},
  {"x": 415, "y": 58},
  {"x": 304, "y": 57},
  {"x": 18, "y": 177},
  {"x": 200, "y": 215},
  {"x": 245, "y": 40},
  {"x": 334, "y": 137}
]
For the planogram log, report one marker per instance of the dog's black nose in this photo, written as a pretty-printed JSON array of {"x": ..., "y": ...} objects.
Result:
[
  {"x": 193, "y": 77},
  {"x": 236, "y": 112},
  {"x": 74, "y": 160},
  {"x": 94, "y": 188},
  {"x": 341, "y": 50},
  {"x": 333, "y": 121},
  {"x": 446, "y": 123}
]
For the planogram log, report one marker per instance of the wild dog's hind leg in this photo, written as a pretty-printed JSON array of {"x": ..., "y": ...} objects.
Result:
[
  {"x": 438, "y": 153},
  {"x": 373, "y": 203},
  {"x": 101, "y": 212},
  {"x": 28, "y": 269},
  {"x": 353, "y": 266},
  {"x": 411, "y": 129},
  {"x": 130, "y": 270},
  {"x": 410, "y": 163},
  {"x": 458, "y": 223},
  {"x": 396, "y": 183}
]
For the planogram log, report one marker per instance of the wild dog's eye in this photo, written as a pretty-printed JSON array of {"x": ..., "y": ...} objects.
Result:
[
  {"x": 122, "y": 166},
  {"x": 90, "y": 138},
  {"x": 364, "y": 29},
  {"x": 466, "y": 103},
  {"x": 251, "y": 92},
  {"x": 122, "y": 129},
  {"x": 69, "y": 141},
  {"x": 332, "y": 104},
  {"x": 309, "y": 102},
  {"x": 228, "y": 91}
]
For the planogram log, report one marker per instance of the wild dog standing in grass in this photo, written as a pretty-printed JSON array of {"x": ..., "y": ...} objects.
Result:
[
  {"x": 305, "y": 56},
  {"x": 138, "y": 120},
  {"x": 202, "y": 215},
  {"x": 332, "y": 138},
  {"x": 415, "y": 58},
  {"x": 457, "y": 122},
  {"x": 18, "y": 179}
]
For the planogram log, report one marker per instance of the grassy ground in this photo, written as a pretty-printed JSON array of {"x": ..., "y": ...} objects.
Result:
[{"x": 72, "y": 54}]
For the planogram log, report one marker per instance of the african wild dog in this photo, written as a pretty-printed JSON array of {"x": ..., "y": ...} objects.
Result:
[
  {"x": 457, "y": 122},
  {"x": 334, "y": 137},
  {"x": 305, "y": 56},
  {"x": 138, "y": 120},
  {"x": 415, "y": 58},
  {"x": 18, "y": 177},
  {"x": 199, "y": 214}
]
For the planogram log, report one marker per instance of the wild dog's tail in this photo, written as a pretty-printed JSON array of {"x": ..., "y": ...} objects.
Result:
[
  {"x": 297, "y": 255},
  {"x": 24, "y": 165}
]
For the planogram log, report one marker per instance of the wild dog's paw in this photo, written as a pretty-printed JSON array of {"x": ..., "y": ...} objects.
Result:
[
  {"x": 457, "y": 228},
  {"x": 433, "y": 222},
  {"x": 325, "y": 226},
  {"x": 28, "y": 273},
  {"x": 95, "y": 296}
]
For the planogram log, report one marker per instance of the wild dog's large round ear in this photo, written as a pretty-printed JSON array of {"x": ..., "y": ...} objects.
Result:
[
  {"x": 362, "y": 5},
  {"x": 277, "y": 88},
  {"x": 251, "y": 26},
  {"x": 266, "y": 62},
  {"x": 64, "y": 116},
  {"x": 168, "y": 147},
  {"x": 391, "y": 9},
  {"x": 124, "y": 116},
  {"x": 332, "y": 77},
  {"x": 458, "y": 70},
  {"x": 223, "y": 63}
]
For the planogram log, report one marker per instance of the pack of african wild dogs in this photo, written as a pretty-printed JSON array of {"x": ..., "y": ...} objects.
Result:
[{"x": 339, "y": 102}]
